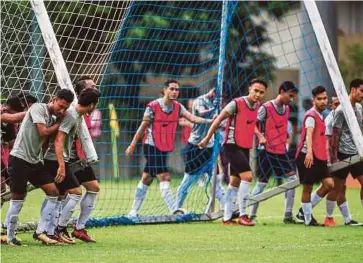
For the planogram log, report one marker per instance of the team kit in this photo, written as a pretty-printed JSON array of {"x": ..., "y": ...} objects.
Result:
[{"x": 40, "y": 142}]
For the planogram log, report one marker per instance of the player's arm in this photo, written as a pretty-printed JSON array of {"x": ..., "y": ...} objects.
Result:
[
  {"x": 334, "y": 144},
  {"x": 216, "y": 123},
  {"x": 195, "y": 119},
  {"x": 59, "y": 149},
  {"x": 185, "y": 123},
  {"x": 138, "y": 135},
  {"x": 45, "y": 131},
  {"x": 336, "y": 134},
  {"x": 309, "y": 145},
  {"x": 12, "y": 118},
  {"x": 261, "y": 116},
  {"x": 37, "y": 113}
]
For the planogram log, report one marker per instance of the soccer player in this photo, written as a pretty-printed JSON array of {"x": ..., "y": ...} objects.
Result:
[
  {"x": 87, "y": 177},
  {"x": 240, "y": 129},
  {"x": 57, "y": 159},
  {"x": 311, "y": 157},
  {"x": 160, "y": 122},
  {"x": 12, "y": 112},
  {"x": 25, "y": 163},
  {"x": 273, "y": 117},
  {"x": 343, "y": 147},
  {"x": 197, "y": 159}
]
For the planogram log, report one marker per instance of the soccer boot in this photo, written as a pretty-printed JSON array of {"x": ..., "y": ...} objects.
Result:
[
  {"x": 289, "y": 220},
  {"x": 82, "y": 235},
  {"x": 329, "y": 221},
  {"x": 42, "y": 237},
  {"x": 229, "y": 223},
  {"x": 244, "y": 220},
  {"x": 63, "y": 235},
  {"x": 353, "y": 223},
  {"x": 14, "y": 242}
]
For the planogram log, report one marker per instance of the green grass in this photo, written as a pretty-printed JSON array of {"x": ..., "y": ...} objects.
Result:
[{"x": 269, "y": 241}]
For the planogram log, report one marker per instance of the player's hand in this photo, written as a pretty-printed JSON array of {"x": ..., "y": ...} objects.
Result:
[
  {"x": 203, "y": 143},
  {"x": 309, "y": 160},
  {"x": 262, "y": 140},
  {"x": 130, "y": 150},
  {"x": 334, "y": 159},
  {"x": 61, "y": 174},
  {"x": 60, "y": 117}
]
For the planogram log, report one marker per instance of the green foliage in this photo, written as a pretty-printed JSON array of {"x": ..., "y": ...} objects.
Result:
[{"x": 352, "y": 67}]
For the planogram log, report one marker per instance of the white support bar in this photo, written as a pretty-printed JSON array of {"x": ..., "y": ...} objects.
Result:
[
  {"x": 334, "y": 73},
  {"x": 61, "y": 71}
]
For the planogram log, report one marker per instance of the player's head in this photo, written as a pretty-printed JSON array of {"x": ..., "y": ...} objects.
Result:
[
  {"x": 287, "y": 92},
  {"x": 20, "y": 102},
  {"x": 63, "y": 99},
  {"x": 334, "y": 101},
  {"x": 257, "y": 90},
  {"x": 84, "y": 82},
  {"x": 88, "y": 100},
  {"x": 320, "y": 98},
  {"x": 356, "y": 90},
  {"x": 212, "y": 93},
  {"x": 171, "y": 89}
]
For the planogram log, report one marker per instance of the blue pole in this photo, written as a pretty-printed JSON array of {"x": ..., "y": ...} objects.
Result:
[{"x": 227, "y": 10}]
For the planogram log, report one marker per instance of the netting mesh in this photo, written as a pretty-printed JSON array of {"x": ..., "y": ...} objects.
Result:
[
  {"x": 86, "y": 32},
  {"x": 132, "y": 48}
]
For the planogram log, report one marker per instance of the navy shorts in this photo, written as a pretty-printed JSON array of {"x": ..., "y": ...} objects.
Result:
[
  {"x": 270, "y": 163},
  {"x": 196, "y": 158}
]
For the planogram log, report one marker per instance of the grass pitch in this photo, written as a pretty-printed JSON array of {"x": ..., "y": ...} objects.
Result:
[{"x": 269, "y": 241}]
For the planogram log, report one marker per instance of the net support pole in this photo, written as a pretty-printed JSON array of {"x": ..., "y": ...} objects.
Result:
[
  {"x": 219, "y": 91},
  {"x": 60, "y": 69},
  {"x": 334, "y": 73}
]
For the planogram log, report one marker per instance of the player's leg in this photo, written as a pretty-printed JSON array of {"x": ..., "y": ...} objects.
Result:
[
  {"x": 263, "y": 173},
  {"x": 71, "y": 189},
  {"x": 306, "y": 203},
  {"x": 360, "y": 180},
  {"x": 19, "y": 173},
  {"x": 286, "y": 167},
  {"x": 195, "y": 162},
  {"x": 88, "y": 179},
  {"x": 230, "y": 198},
  {"x": 331, "y": 202},
  {"x": 146, "y": 179}
]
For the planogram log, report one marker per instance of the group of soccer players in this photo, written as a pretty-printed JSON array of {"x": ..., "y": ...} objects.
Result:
[
  {"x": 247, "y": 118},
  {"x": 46, "y": 145}
]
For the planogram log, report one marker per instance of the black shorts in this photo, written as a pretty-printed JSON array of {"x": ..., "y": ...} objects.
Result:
[
  {"x": 21, "y": 172},
  {"x": 85, "y": 175},
  {"x": 156, "y": 160},
  {"x": 239, "y": 159},
  {"x": 355, "y": 170},
  {"x": 195, "y": 158},
  {"x": 269, "y": 163},
  {"x": 318, "y": 171},
  {"x": 69, "y": 182}
]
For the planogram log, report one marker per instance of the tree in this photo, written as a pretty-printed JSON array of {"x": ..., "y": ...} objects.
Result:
[{"x": 352, "y": 67}]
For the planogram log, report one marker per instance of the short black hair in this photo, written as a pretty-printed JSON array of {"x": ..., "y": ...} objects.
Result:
[
  {"x": 26, "y": 98},
  {"x": 288, "y": 86},
  {"x": 355, "y": 83},
  {"x": 259, "y": 81},
  {"x": 20, "y": 101},
  {"x": 88, "y": 96},
  {"x": 15, "y": 104},
  {"x": 65, "y": 94},
  {"x": 168, "y": 82},
  {"x": 318, "y": 90},
  {"x": 79, "y": 84}
]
